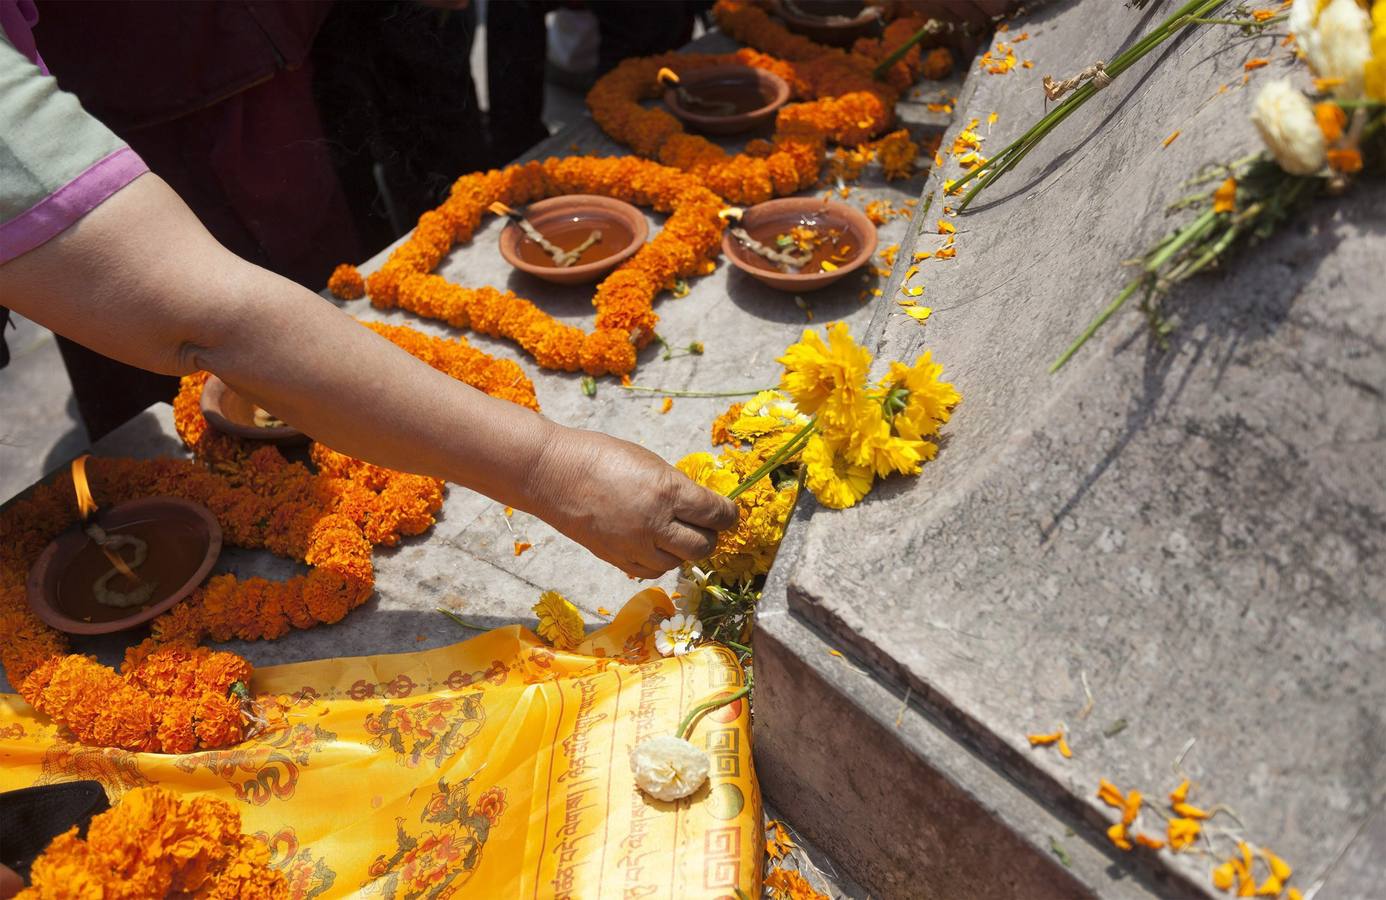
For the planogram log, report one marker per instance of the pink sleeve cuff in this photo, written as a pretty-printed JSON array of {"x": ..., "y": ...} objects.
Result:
[{"x": 59, "y": 210}]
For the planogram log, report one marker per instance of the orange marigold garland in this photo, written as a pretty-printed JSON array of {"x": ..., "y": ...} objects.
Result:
[
  {"x": 155, "y": 844},
  {"x": 171, "y": 695},
  {"x": 346, "y": 283},
  {"x": 845, "y": 104},
  {"x": 685, "y": 246}
]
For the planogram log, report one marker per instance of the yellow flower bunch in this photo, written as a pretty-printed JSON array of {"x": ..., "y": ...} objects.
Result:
[
  {"x": 749, "y": 549},
  {"x": 862, "y": 433}
]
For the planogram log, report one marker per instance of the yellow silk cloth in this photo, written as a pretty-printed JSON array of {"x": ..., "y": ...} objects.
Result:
[{"x": 496, "y": 767}]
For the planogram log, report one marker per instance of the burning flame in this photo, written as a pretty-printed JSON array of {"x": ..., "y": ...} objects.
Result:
[
  {"x": 501, "y": 209},
  {"x": 667, "y": 76},
  {"x": 86, "y": 504}
]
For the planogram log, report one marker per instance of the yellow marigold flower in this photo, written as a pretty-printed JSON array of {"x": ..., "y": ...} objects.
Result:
[
  {"x": 1225, "y": 197},
  {"x": 1146, "y": 840},
  {"x": 1224, "y": 876},
  {"x": 706, "y": 470},
  {"x": 836, "y": 483},
  {"x": 1118, "y": 836},
  {"x": 1181, "y": 793},
  {"x": 919, "y": 313},
  {"x": 825, "y": 379},
  {"x": 767, "y": 413},
  {"x": 930, "y": 402},
  {"x": 1182, "y": 833},
  {"x": 560, "y": 623},
  {"x": 946, "y": 227}
]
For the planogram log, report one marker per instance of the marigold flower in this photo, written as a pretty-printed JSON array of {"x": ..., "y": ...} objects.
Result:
[
  {"x": 560, "y": 623},
  {"x": 346, "y": 283},
  {"x": 836, "y": 483},
  {"x": 1118, "y": 836}
]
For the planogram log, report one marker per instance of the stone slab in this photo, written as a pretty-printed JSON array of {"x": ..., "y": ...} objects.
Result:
[
  {"x": 467, "y": 561},
  {"x": 1197, "y": 534}
]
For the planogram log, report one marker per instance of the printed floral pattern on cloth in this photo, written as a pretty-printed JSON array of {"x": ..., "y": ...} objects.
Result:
[{"x": 465, "y": 771}]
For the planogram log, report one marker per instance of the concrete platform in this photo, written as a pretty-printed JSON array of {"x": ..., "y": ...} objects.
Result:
[{"x": 1196, "y": 534}]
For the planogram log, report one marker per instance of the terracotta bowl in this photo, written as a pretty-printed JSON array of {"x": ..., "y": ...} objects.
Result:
[
  {"x": 837, "y": 23},
  {"x": 230, "y": 413},
  {"x": 787, "y": 213},
  {"x": 200, "y": 529},
  {"x": 560, "y": 209},
  {"x": 768, "y": 84}
]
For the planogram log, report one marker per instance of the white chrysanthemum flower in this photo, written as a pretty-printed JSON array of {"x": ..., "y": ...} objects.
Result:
[
  {"x": 678, "y": 634},
  {"x": 1286, "y": 121},
  {"x": 1336, "y": 40},
  {"x": 689, "y": 593},
  {"x": 668, "y": 768}
]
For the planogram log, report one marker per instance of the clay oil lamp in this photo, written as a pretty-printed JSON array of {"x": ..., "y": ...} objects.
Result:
[
  {"x": 573, "y": 239},
  {"x": 122, "y": 566},
  {"x": 230, "y": 413},
  {"x": 837, "y": 23},
  {"x": 798, "y": 243},
  {"x": 724, "y": 99}
]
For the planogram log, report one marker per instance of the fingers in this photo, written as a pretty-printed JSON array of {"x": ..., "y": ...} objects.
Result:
[
  {"x": 702, "y": 508},
  {"x": 652, "y": 564},
  {"x": 687, "y": 542}
]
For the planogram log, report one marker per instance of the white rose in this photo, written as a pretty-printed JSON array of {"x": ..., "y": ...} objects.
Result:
[
  {"x": 1336, "y": 41},
  {"x": 1286, "y": 121},
  {"x": 668, "y": 768}
]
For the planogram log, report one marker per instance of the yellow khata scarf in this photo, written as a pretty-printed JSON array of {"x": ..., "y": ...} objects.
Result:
[{"x": 497, "y": 767}]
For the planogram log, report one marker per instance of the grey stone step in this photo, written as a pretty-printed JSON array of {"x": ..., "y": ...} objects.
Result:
[{"x": 1195, "y": 534}]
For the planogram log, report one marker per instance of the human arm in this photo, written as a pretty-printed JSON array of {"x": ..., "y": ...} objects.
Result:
[{"x": 140, "y": 280}]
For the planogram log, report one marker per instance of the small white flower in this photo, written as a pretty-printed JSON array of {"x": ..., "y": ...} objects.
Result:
[
  {"x": 1336, "y": 40},
  {"x": 678, "y": 634},
  {"x": 692, "y": 580},
  {"x": 1286, "y": 121},
  {"x": 668, "y": 768}
]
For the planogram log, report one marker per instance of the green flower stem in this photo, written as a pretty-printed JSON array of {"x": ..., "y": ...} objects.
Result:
[
  {"x": 735, "y": 646},
  {"x": 698, "y": 711},
  {"x": 1014, "y": 152},
  {"x": 1251, "y": 22},
  {"x": 884, "y": 66},
  {"x": 669, "y": 393},
  {"x": 792, "y": 446},
  {"x": 1191, "y": 233},
  {"x": 458, "y": 619},
  {"x": 1097, "y": 323}
]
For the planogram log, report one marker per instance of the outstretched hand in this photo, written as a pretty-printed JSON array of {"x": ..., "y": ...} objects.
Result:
[{"x": 625, "y": 504}]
